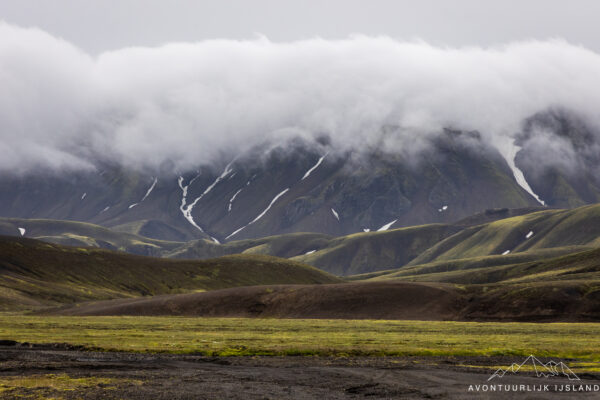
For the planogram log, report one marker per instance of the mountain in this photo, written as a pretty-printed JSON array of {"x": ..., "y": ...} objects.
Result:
[
  {"x": 297, "y": 187},
  {"x": 560, "y": 158},
  {"x": 302, "y": 185},
  {"x": 36, "y": 274}
]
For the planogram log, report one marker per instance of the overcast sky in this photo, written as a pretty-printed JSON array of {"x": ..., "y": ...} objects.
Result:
[
  {"x": 99, "y": 25},
  {"x": 195, "y": 100}
]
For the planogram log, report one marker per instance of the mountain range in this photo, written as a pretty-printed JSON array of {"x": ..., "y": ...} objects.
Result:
[{"x": 307, "y": 186}]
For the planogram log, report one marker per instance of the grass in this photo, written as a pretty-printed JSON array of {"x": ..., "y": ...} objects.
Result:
[
  {"x": 58, "y": 382},
  {"x": 551, "y": 229},
  {"x": 367, "y": 252},
  {"x": 581, "y": 265},
  {"x": 247, "y": 337}
]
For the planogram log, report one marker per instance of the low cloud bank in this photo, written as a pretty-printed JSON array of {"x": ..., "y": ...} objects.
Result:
[{"x": 193, "y": 103}]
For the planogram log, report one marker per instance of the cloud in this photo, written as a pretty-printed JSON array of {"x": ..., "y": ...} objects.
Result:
[{"x": 191, "y": 103}]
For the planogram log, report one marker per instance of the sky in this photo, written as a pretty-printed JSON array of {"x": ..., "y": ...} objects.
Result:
[
  {"x": 149, "y": 83},
  {"x": 100, "y": 25}
]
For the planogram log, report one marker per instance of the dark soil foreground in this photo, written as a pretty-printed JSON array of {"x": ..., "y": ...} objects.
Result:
[{"x": 151, "y": 376}]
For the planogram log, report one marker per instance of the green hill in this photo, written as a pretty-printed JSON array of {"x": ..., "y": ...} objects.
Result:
[
  {"x": 527, "y": 232},
  {"x": 74, "y": 233},
  {"x": 540, "y": 230},
  {"x": 372, "y": 251}
]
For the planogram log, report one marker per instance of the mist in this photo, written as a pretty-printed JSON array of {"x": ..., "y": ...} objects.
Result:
[{"x": 194, "y": 103}]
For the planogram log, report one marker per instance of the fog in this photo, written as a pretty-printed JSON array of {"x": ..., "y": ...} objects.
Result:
[{"x": 195, "y": 103}]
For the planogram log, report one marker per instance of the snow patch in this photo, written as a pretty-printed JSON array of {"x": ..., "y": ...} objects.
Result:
[
  {"x": 231, "y": 200},
  {"x": 530, "y": 234},
  {"x": 510, "y": 155},
  {"x": 307, "y": 174},
  {"x": 335, "y": 214},
  {"x": 387, "y": 226},
  {"x": 186, "y": 209},
  {"x": 444, "y": 208},
  {"x": 149, "y": 190},
  {"x": 506, "y": 252},
  {"x": 309, "y": 252},
  {"x": 22, "y": 231},
  {"x": 215, "y": 240},
  {"x": 366, "y": 230},
  {"x": 261, "y": 214},
  {"x": 105, "y": 209},
  {"x": 147, "y": 194},
  {"x": 225, "y": 172},
  {"x": 83, "y": 196}
]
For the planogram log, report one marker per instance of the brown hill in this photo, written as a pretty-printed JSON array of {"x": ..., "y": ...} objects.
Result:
[
  {"x": 396, "y": 300},
  {"x": 35, "y": 273}
]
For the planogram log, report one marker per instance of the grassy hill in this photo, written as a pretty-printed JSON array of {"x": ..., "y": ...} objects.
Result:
[
  {"x": 372, "y": 251},
  {"x": 34, "y": 273},
  {"x": 540, "y": 230},
  {"x": 74, "y": 233},
  {"x": 343, "y": 255},
  {"x": 528, "y": 232},
  {"x": 488, "y": 269}
]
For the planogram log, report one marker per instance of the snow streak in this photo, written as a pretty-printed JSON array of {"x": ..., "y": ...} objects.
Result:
[
  {"x": 335, "y": 214},
  {"x": 519, "y": 176},
  {"x": 307, "y": 174},
  {"x": 261, "y": 214},
  {"x": 186, "y": 209},
  {"x": 146, "y": 195},
  {"x": 387, "y": 226},
  {"x": 232, "y": 199}
]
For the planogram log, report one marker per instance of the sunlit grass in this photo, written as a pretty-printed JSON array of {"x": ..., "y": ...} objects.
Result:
[
  {"x": 245, "y": 336},
  {"x": 60, "y": 382}
]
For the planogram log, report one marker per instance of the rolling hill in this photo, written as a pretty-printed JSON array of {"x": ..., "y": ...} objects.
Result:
[
  {"x": 35, "y": 274},
  {"x": 531, "y": 232},
  {"x": 565, "y": 288},
  {"x": 525, "y": 231}
]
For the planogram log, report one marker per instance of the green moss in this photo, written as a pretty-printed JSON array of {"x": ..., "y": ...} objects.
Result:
[{"x": 245, "y": 337}]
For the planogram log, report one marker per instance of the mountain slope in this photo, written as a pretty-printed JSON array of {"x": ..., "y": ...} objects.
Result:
[
  {"x": 540, "y": 230},
  {"x": 373, "y": 251},
  {"x": 560, "y": 158},
  {"x": 278, "y": 189}
]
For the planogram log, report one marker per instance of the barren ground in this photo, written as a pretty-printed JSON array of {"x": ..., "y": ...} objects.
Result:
[{"x": 107, "y": 375}]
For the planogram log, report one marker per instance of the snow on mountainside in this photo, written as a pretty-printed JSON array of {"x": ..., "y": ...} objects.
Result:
[{"x": 308, "y": 187}]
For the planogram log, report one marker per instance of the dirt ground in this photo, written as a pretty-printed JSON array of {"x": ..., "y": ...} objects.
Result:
[{"x": 161, "y": 376}]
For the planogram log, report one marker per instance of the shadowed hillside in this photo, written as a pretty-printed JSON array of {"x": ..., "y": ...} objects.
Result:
[{"x": 34, "y": 273}]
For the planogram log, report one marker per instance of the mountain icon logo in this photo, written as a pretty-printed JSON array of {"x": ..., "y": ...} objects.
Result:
[{"x": 545, "y": 370}]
